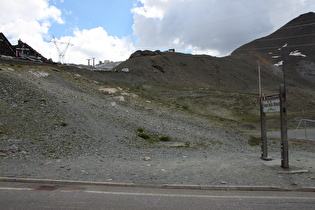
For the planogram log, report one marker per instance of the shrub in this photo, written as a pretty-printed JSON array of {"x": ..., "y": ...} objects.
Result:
[
  {"x": 143, "y": 134},
  {"x": 63, "y": 123},
  {"x": 164, "y": 138},
  {"x": 140, "y": 130},
  {"x": 185, "y": 107}
]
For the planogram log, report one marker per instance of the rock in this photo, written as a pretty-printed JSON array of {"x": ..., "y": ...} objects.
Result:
[
  {"x": 14, "y": 149},
  {"x": 108, "y": 90},
  {"x": 46, "y": 163},
  {"x": 3, "y": 154},
  {"x": 24, "y": 153},
  {"x": 175, "y": 144},
  {"x": 120, "y": 98},
  {"x": 294, "y": 172},
  {"x": 39, "y": 73},
  {"x": 223, "y": 182},
  {"x": 147, "y": 158},
  {"x": 129, "y": 94},
  {"x": 144, "y": 53}
]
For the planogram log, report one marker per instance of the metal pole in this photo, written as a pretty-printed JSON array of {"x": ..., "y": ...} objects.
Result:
[
  {"x": 259, "y": 78},
  {"x": 264, "y": 145},
  {"x": 284, "y": 75},
  {"x": 284, "y": 130}
]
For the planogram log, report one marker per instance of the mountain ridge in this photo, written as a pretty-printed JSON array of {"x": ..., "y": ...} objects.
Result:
[{"x": 239, "y": 70}]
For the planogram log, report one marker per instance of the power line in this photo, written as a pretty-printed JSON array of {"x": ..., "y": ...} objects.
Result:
[
  {"x": 267, "y": 48},
  {"x": 152, "y": 44}
]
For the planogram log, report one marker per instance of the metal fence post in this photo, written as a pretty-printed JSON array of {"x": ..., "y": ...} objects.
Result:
[
  {"x": 284, "y": 129},
  {"x": 264, "y": 149}
]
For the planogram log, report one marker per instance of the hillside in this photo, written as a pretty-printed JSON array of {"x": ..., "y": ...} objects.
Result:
[
  {"x": 237, "y": 72},
  {"x": 191, "y": 70},
  {"x": 299, "y": 54},
  {"x": 58, "y": 123},
  {"x": 189, "y": 115}
]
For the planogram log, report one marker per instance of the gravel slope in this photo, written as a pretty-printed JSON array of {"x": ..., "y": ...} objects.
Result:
[{"x": 61, "y": 125}]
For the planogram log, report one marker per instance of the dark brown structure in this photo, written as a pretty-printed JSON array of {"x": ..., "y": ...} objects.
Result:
[
  {"x": 21, "y": 50},
  {"x": 5, "y": 46}
]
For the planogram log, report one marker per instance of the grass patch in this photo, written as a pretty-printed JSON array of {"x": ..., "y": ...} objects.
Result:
[
  {"x": 185, "y": 107},
  {"x": 144, "y": 135},
  {"x": 254, "y": 141},
  {"x": 63, "y": 123},
  {"x": 164, "y": 138},
  {"x": 152, "y": 138}
]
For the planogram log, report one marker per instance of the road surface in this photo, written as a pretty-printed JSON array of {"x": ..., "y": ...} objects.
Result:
[
  {"x": 38, "y": 196},
  {"x": 301, "y": 134}
]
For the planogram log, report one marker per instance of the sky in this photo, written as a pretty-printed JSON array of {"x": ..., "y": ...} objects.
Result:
[{"x": 113, "y": 29}]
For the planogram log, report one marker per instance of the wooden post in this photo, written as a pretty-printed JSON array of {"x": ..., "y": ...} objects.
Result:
[
  {"x": 264, "y": 150},
  {"x": 284, "y": 129}
]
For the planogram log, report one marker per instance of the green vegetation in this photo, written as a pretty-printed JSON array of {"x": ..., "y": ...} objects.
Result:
[
  {"x": 152, "y": 138},
  {"x": 164, "y": 138},
  {"x": 144, "y": 135},
  {"x": 63, "y": 123},
  {"x": 254, "y": 141},
  {"x": 185, "y": 107}
]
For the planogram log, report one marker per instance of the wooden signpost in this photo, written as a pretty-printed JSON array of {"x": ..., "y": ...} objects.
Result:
[{"x": 274, "y": 104}]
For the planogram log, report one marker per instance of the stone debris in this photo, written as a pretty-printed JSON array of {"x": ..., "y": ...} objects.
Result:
[
  {"x": 147, "y": 158},
  {"x": 175, "y": 144},
  {"x": 3, "y": 154},
  {"x": 39, "y": 74},
  {"x": 108, "y": 90},
  {"x": 294, "y": 172},
  {"x": 120, "y": 98}
]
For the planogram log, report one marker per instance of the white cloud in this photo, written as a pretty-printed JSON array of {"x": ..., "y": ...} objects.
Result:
[
  {"x": 214, "y": 27},
  {"x": 96, "y": 43},
  {"x": 32, "y": 17},
  {"x": 30, "y": 21},
  {"x": 151, "y": 8}
]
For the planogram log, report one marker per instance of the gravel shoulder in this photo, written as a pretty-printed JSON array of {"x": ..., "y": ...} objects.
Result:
[{"x": 60, "y": 125}]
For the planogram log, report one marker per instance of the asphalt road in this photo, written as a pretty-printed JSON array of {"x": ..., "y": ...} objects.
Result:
[
  {"x": 301, "y": 134},
  {"x": 38, "y": 196}
]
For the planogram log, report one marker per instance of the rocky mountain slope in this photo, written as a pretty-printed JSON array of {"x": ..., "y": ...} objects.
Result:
[
  {"x": 40, "y": 101},
  {"x": 60, "y": 122},
  {"x": 183, "y": 113},
  {"x": 237, "y": 72},
  {"x": 299, "y": 54},
  {"x": 50, "y": 112}
]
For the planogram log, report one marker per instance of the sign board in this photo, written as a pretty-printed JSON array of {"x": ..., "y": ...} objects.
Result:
[{"x": 271, "y": 105}]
